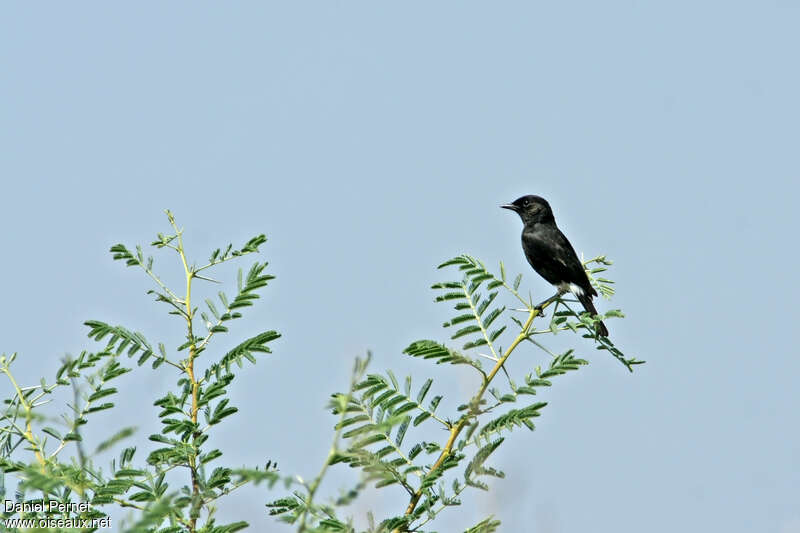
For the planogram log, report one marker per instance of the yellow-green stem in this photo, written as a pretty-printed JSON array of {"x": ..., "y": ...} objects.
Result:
[
  {"x": 192, "y": 525},
  {"x": 28, "y": 434},
  {"x": 456, "y": 430}
]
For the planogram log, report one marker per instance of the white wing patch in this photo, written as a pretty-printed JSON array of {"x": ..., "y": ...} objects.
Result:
[{"x": 570, "y": 287}]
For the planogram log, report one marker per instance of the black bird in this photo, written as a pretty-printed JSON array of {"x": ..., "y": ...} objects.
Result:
[{"x": 550, "y": 253}]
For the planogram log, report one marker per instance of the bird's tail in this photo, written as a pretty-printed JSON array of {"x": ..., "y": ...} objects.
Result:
[{"x": 586, "y": 300}]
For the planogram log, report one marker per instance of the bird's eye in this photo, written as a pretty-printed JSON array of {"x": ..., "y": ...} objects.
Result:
[{"x": 526, "y": 203}]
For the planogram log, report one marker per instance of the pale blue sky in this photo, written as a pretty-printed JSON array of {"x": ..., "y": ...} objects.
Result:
[{"x": 370, "y": 141}]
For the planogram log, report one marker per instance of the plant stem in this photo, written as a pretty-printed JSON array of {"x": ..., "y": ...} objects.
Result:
[
  {"x": 462, "y": 423},
  {"x": 28, "y": 433},
  {"x": 312, "y": 488},
  {"x": 189, "y": 367}
]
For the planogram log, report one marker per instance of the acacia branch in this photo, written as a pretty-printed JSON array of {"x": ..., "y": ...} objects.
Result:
[{"x": 462, "y": 423}]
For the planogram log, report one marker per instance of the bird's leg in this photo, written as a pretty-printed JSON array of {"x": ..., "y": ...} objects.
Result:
[{"x": 541, "y": 306}]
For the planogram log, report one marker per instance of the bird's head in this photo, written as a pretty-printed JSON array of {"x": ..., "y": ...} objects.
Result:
[{"x": 531, "y": 208}]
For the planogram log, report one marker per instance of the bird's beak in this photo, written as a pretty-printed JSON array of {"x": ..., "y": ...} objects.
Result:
[{"x": 510, "y": 206}]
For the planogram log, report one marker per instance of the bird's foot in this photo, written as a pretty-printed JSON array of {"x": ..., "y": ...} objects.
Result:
[{"x": 540, "y": 308}]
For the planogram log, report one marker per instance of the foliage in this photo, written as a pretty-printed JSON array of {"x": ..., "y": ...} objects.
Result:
[
  {"x": 380, "y": 414},
  {"x": 176, "y": 485},
  {"x": 396, "y": 433}
]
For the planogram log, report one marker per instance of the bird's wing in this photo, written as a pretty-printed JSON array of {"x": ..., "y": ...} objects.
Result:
[{"x": 552, "y": 256}]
